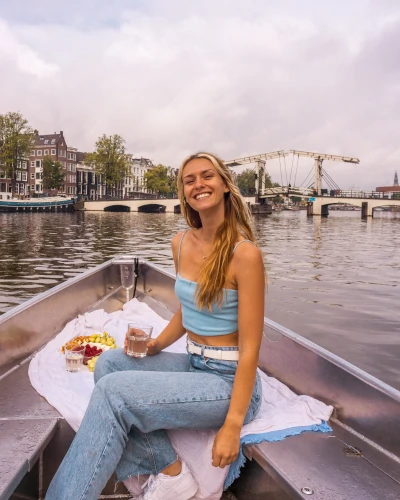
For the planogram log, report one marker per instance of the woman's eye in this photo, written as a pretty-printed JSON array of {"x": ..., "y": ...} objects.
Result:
[{"x": 188, "y": 182}]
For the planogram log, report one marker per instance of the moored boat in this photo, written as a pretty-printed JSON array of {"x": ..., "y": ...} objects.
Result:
[
  {"x": 359, "y": 459},
  {"x": 8, "y": 204}
]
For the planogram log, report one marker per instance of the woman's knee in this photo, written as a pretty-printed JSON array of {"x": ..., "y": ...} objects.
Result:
[{"x": 107, "y": 363}]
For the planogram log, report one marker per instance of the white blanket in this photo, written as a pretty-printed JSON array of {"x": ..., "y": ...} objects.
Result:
[{"x": 281, "y": 409}]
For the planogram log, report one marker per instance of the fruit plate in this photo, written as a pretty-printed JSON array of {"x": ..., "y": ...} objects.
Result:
[{"x": 101, "y": 347}]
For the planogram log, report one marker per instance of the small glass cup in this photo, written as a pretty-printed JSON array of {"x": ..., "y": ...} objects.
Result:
[
  {"x": 138, "y": 336},
  {"x": 74, "y": 358}
]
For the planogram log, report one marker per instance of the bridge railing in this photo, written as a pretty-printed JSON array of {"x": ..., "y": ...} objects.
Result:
[
  {"x": 373, "y": 195},
  {"x": 331, "y": 193},
  {"x": 147, "y": 196}
]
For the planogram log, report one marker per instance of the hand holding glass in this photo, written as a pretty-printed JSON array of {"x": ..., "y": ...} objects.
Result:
[{"x": 138, "y": 336}]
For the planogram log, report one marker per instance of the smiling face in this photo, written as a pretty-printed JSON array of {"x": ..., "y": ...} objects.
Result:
[{"x": 203, "y": 186}]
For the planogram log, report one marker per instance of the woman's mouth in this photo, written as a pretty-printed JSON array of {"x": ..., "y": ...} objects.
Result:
[{"x": 202, "y": 195}]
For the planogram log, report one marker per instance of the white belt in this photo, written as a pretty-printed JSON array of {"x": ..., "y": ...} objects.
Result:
[{"x": 213, "y": 353}]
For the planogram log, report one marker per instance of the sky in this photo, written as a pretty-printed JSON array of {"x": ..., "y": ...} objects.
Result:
[{"x": 234, "y": 77}]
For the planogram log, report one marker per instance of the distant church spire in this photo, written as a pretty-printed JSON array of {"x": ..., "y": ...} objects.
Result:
[{"x": 396, "y": 180}]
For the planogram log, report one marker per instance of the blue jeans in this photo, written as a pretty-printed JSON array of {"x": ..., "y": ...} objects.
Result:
[{"x": 133, "y": 403}]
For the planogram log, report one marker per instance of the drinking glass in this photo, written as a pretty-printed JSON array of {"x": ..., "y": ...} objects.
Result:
[
  {"x": 74, "y": 358},
  {"x": 138, "y": 336}
]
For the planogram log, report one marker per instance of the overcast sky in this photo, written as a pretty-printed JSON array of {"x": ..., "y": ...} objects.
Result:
[{"x": 233, "y": 77}]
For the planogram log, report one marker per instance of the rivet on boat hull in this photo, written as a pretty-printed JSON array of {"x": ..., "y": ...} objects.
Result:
[{"x": 307, "y": 491}]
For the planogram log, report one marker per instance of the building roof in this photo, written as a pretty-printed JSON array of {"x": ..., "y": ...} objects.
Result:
[
  {"x": 80, "y": 156},
  {"x": 49, "y": 139}
]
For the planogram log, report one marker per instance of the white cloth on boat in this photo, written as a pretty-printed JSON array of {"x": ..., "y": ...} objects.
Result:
[{"x": 70, "y": 393}]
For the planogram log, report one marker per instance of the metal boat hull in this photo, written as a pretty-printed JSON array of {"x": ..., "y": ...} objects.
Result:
[{"x": 367, "y": 411}]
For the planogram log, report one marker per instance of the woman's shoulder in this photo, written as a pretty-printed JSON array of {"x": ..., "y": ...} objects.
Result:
[
  {"x": 178, "y": 238},
  {"x": 246, "y": 252}
]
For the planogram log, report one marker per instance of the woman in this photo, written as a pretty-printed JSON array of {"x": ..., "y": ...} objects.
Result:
[{"x": 220, "y": 284}]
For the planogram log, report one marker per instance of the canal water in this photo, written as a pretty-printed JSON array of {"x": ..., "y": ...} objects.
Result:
[{"x": 334, "y": 280}]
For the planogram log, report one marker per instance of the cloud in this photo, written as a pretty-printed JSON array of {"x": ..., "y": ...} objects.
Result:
[
  {"x": 229, "y": 77},
  {"x": 25, "y": 59}
]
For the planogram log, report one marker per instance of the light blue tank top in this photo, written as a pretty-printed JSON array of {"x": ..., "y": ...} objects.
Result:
[{"x": 220, "y": 320}]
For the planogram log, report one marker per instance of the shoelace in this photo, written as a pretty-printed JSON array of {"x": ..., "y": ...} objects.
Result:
[{"x": 151, "y": 483}]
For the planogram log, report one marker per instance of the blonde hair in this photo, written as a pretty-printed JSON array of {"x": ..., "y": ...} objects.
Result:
[{"x": 237, "y": 221}]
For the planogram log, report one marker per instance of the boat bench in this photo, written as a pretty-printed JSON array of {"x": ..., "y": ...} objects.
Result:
[
  {"x": 27, "y": 425},
  {"x": 321, "y": 466},
  {"x": 34, "y": 438}
]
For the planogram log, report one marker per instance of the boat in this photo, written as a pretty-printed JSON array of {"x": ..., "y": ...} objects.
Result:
[
  {"x": 55, "y": 203},
  {"x": 359, "y": 459}
]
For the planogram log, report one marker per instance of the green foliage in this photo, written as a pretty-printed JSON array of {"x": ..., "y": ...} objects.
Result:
[
  {"x": 53, "y": 176},
  {"x": 16, "y": 140},
  {"x": 246, "y": 181},
  {"x": 157, "y": 180},
  {"x": 172, "y": 181},
  {"x": 110, "y": 160}
]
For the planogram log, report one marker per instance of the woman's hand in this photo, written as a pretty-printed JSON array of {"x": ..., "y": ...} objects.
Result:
[
  {"x": 153, "y": 346},
  {"x": 226, "y": 446}
]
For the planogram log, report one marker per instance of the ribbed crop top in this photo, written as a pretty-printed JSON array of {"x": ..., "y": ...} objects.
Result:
[{"x": 221, "y": 320}]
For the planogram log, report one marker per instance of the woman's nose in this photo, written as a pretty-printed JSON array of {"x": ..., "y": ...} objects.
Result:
[{"x": 198, "y": 182}]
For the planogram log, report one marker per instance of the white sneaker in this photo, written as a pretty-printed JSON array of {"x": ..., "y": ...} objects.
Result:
[{"x": 163, "y": 487}]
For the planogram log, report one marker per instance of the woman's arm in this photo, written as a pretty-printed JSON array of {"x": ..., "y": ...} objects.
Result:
[
  {"x": 171, "y": 333},
  {"x": 250, "y": 277},
  {"x": 174, "y": 330}
]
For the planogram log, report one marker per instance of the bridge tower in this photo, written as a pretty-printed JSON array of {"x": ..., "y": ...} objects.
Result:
[
  {"x": 318, "y": 159},
  {"x": 260, "y": 171}
]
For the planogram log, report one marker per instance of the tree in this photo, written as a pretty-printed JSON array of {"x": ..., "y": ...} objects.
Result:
[
  {"x": 53, "y": 176},
  {"x": 16, "y": 141},
  {"x": 110, "y": 160},
  {"x": 157, "y": 180},
  {"x": 246, "y": 181},
  {"x": 172, "y": 180}
]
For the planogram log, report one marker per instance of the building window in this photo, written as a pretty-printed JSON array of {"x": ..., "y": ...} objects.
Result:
[
  {"x": 38, "y": 163},
  {"x": 24, "y": 176},
  {"x": 39, "y": 152},
  {"x": 32, "y": 152},
  {"x": 62, "y": 152},
  {"x": 53, "y": 151},
  {"x": 46, "y": 152},
  {"x": 18, "y": 176},
  {"x": 37, "y": 187},
  {"x": 46, "y": 141},
  {"x": 32, "y": 175},
  {"x": 32, "y": 187},
  {"x": 24, "y": 165},
  {"x": 37, "y": 175},
  {"x": 69, "y": 167},
  {"x": 53, "y": 141}
]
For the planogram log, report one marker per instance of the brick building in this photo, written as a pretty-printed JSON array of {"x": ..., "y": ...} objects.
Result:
[
  {"x": 54, "y": 146},
  {"x": 21, "y": 177},
  {"x": 395, "y": 189}
]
